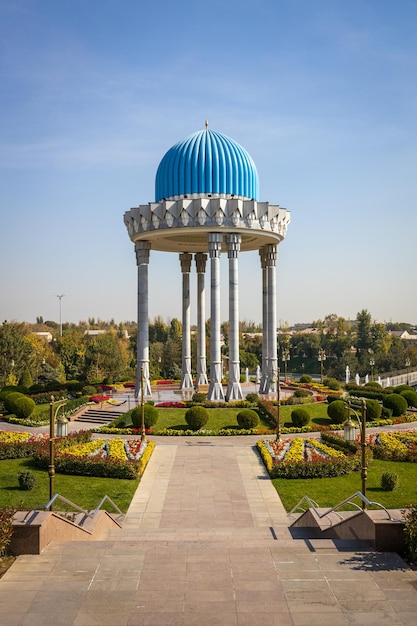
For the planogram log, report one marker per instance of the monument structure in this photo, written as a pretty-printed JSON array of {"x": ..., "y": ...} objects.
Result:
[{"x": 206, "y": 204}]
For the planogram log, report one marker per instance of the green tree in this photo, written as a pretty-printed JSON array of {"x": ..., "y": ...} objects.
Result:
[
  {"x": 175, "y": 330},
  {"x": 16, "y": 353},
  {"x": 104, "y": 358},
  {"x": 158, "y": 331},
  {"x": 71, "y": 350}
]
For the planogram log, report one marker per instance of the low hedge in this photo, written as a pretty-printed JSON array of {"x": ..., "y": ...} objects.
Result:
[{"x": 16, "y": 450}]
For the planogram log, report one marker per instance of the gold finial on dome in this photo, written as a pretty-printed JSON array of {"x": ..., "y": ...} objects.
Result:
[{"x": 206, "y": 124}]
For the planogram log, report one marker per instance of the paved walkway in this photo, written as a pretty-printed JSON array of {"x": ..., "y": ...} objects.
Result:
[{"x": 206, "y": 543}]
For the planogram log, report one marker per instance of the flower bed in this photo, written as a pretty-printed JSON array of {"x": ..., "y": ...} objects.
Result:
[
  {"x": 307, "y": 458},
  {"x": 14, "y": 445},
  {"x": 395, "y": 446},
  {"x": 97, "y": 399},
  {"x": 171, "y": 405},
  {"x": 79, "y": 454}
]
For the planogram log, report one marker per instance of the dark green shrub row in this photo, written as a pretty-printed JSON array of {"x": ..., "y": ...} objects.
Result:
[
  {"x": 45, "y": 398},
  {"x": 16, "y": 450},
  {"x": 317, "y": 469},
  {"x": 361, "y": 392},
  {"x": 337, "y": 442},
  {"x": 268, "y": 412}
]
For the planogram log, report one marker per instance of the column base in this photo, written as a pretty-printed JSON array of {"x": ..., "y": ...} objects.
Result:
[
  {"x": 215, "y": 392},
  {"x": 147, "y": 392},
  {"x": 234, "y": 392},
  {"x": 187, "y": 382}
]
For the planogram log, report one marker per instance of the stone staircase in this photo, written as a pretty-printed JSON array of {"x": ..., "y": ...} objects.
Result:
[{"x": 101, "y": 417}]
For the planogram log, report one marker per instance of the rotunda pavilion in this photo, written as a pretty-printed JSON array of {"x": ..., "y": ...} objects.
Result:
[{"x": 206, "y": 204}]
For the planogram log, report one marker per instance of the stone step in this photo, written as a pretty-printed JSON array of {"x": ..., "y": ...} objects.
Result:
[
  {"x": 99, "y": 416},
  {"x": 265, "y": 537}
]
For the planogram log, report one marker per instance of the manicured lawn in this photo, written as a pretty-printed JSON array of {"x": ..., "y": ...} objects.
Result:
[
  {"x": 85, "y": 491},
  {"x": 226, "y": 417},
  {"x": 219, "y": 418},
  {"x": 328, "y": 492},
  {"x": 316, "y": 410}
]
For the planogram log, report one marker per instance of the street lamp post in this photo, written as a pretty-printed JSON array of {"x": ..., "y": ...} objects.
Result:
[
  {"x": 407, "y": 364},
  {"x": 285, "y": 357},
  {"x": 278, "y": 430},
  {"x": 53, "y": 412},
  {"x": 349, "y": 432},
  {"x": 321, "y": 358},
  {"x": 372, "y": 363},
  {"x": 60, "y": 313}
]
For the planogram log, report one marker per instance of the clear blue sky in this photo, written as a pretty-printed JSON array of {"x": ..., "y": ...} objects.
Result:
[{"x": 321, "y": 93}]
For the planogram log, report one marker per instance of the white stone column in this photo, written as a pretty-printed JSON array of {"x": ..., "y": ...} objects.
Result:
[
  {"x": 215, "y": 391},
  {"x": 263, "y": 387},
  {"x": 142, "y": 249},
  {"x": 186, "y": 378},
  {"x": 271, "y": 261},
  {"x": 200, "y": 262},
  {"x": 234, "y": 390}
]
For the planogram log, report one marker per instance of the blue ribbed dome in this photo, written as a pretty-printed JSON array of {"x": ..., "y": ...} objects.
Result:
[{"x": 207, "y": 162}]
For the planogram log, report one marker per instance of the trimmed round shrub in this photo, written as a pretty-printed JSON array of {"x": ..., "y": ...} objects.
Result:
[
  {"x": 337, "y": 411},
  {"x": 89, "y": 390},
  {"x": 300, "y": 417},
  {"x": 331, "y": 398},
  {"x": 395, "y": 402},
  {"x": 389, "y": 481},
  {"x": 150, "y": 416},
  {"x": 401, "y": 388},
  {"x": 373, "y": 410},
  {"x": 373, "y": 385},
  {"x": 301, "y": 393},
  {"x": 332, "y": 383},
  {"x": 23, "y": 407},
  {"x": 196, "y": 417},
  {"x": 410, "y": 396},
  {"x": 9, "y": 400},
  {"x": 247, "y": 418},
  {"x": 306, "y": 379},
  {"x": 252, "y": 398},
  {"x": 27, "y": 480},
  {"x": 199, "y": 398}
]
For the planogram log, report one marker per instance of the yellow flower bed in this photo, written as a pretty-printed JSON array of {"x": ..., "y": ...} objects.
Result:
[
  {"x": 393, "y": 444},
  {"x": 295, "y": 451},
  {"x": 13, "y": 437},
  {"x": 117, "y": 449},
  {"x": 332, "y": 452},
  {"x": 84, "y": 449}
]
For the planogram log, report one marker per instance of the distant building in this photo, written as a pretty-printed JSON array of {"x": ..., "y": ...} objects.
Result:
[
  {"x": 45, "y": 335},
  {"x": 405, "y": 336}
]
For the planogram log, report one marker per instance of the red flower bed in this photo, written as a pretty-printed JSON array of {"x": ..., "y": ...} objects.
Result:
[
  {"x": 107, "y": 387},
  {"x": 170, "y": 405},
  {"x": 98, "y": 399},
  {"x": 129, "y": 385},
  {"x": 164, "y": 382}
]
